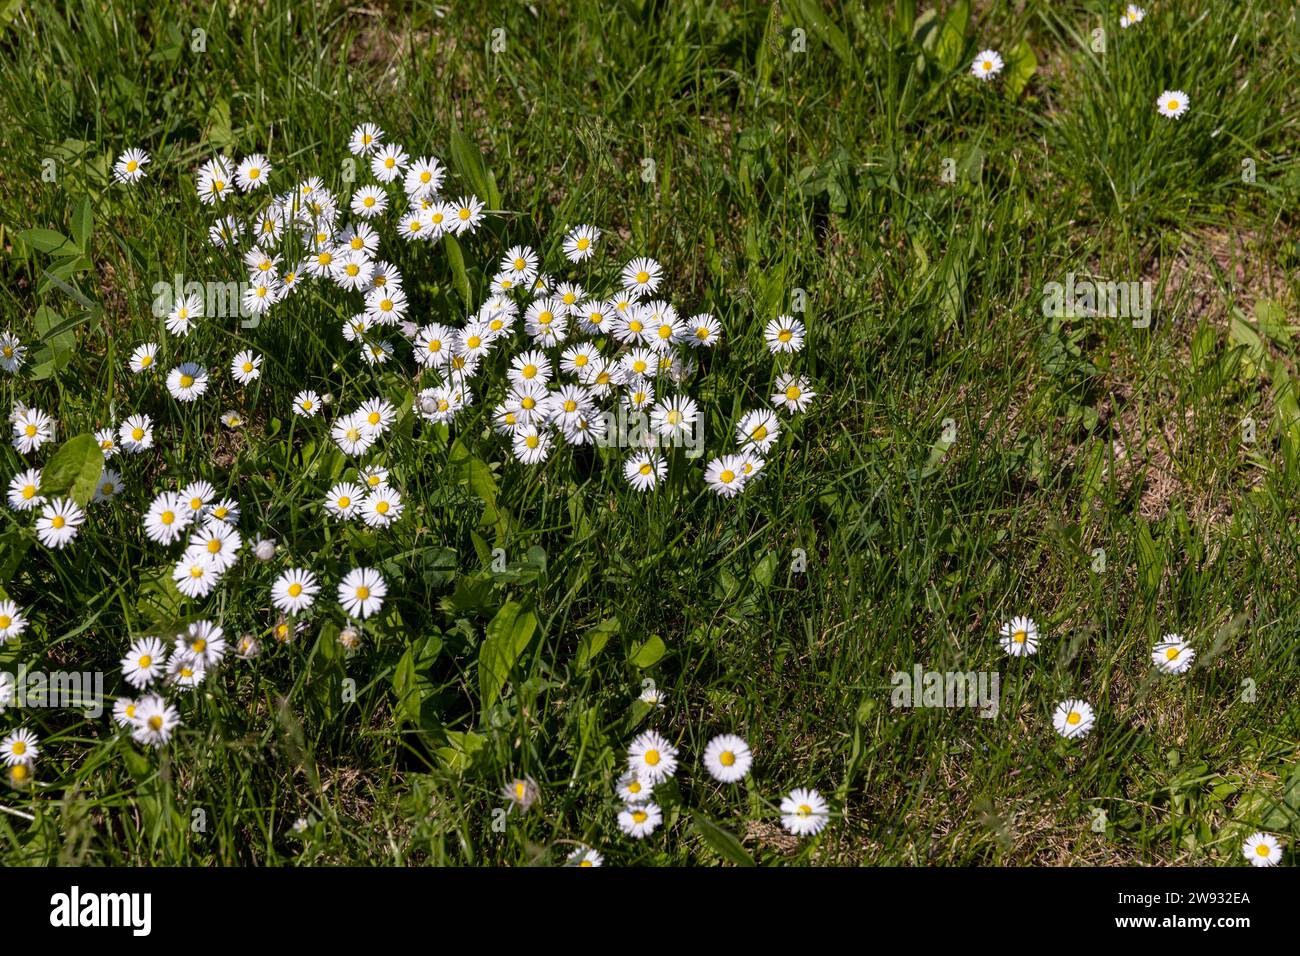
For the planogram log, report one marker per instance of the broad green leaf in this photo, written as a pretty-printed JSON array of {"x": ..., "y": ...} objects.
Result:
[
  {"x": 952, "y": 35},
  {"x": 594, "y": 641},
  {"x": 82, "y": 221},
  {"x": 459, "y": 276},
  {"x": 810, "y": 15},
  {"x": 508, "y": 634},
  {"x": 1021, "y": 66},
  {"x": 74, "y": 470},
  {"x": 47, "y": 240},
  {"x": 724, "y": 842},
  {"x": 649, "y": 653},
  {"x": 469, "y": 163}
]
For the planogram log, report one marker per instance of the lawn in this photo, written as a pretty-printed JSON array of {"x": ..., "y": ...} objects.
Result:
[{"x": 985, "y": 442}]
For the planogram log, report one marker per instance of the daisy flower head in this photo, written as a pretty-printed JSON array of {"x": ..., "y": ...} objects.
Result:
[
  {"x": 632, "y": 789},
  {"x": 202, "y": 641},
  {"x": 651, "y": 757},
  {"x": 32, "y": 429},
  {"x": 785, "y": 333},
  {"x": 261, "y": 294},
  {"x": 703, "y": 331},
  {"x": 144, "y": 662},
  {"x": 187, "y": 381},
  {"x": 584, "y": 856},
  {"x": 1019, "y": 637},
  {"x": 424, "y": 178},
  {"x": 214, "y": 181},
  {"x": 530, "y": 366},
  {"x": 144, "y": 357},
  {"x": 382, "y": 507},
  {"x": 804, "y": 812},
  {"x": 640, "y": 820},
  {"x": 307, "y": 403},
  {"x": 466, "y": 214},
  {"x": 986, "y": 65},
  {"x": 196, "y": 496},
  {"x": 641, "y": 276},
  {"x": 1132, "y": 14},
  {"x": 106, "y": 438},
  {"x": 110, "y": 484},
  {"x": 124, "y": 712},
  {"x": 1172, "y": 654},
  {"x": 136, "y": 434},
  {"x": 219, "y": 543},
  {"x": 226, "y": 511},
  {"x": 1173, "y": 104},
  {"x": 759, "y": 428},
  {"x": 344, "y": 500},
  {"x": 352, "y": 434},
  {"x": 520, "y": 263},
  {"x": 365, "y": 139},
  {"x": 129, "y": 167},
  {"x": 725, "y": 475},
  {"x": 388, "y": 162},
  {"x": 24, "y": 490},
  {"x": 246, "y": 367},
  {"x": 727, "y": 758},
  {"x": 19, "y": 746},
  {"x": 167, "y": 518},
  {"x": 294, "y": 590},
  {"x": 361, "y": 592},
  {"x": 11, "y": 352},
  {"x": 369, "y": 201},
  {"x": 532, "y": 445},
  {"x": 1262, "y": 849},
  {"x": 793, "y": 393},
  {"x": 155, "y": 720},
  {"x": 374, "y": 477},
  {"x": 181, "y": 319},
  {"x": 674, "y": 417},
  {"x": 12, "y": 622},
  {"x": 195, "y": 575},
  {"x": 522, "y": 792},
  {"x": 59, "y": 522},
  {"x": 185, "y": 671},
  {"x": 580, "y": 243},
  {"x": 386, "y": 306},
  {"x": 252, "y": 172},
  {"x": 1073, "y": 718},
  {"x": 644, "y": 469}
]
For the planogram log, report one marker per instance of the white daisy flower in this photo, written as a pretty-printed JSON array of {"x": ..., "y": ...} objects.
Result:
[
  {"x": 785, "y": 333},
  {"x": 19, "y": 746},
  {"x": 632, "y": 789},
  {"x": 725, "y": 475},
  {"x": 344, "y": 500},
  {"x": 144, "y": 662},
  {"x": 381, "y": 508},
  {"x": 1132, "y": 14},
  {"x": 641, "y": 276},
  {"x": 294, "y": 590},
  {"x": 144, "y": 357},
  {"x": 32, "y": 429},
  {"x": 986, "y": 65},
  {"x": 1019, "y": 637},
  {"x": 155, "y": 720},
  {"x": 759, "y": 428},
  {"x": 640, "y": 820},
  {"x": 59, "y": 522},
  {"x": 136, "y": 434},
  {"x": 1172, "y": 104},
  {"x": 11, "y": 352},
  {"x": 365, "y": 139},
  {"x": 651, "y": 757},
  {"x": 129, "y": 167},
  {"x": 727, "y": 758},
  {"x": 369, "y": 201},
  {"x": 12, "y": 622},
  {"x": 361, "y": 592},
  {"x": 252, "y": 172},
  {"x": 195, "y": 575},
  {"x": 1073, "y": 718},
  {"x": 580, "y": 243},
  {"x": 307, "y": 403},
  {"x": 1172, "y": 654},
  {"x": 187, "y": 381},
  {"x": 1262, "y": 849},
  {"x": 167, "y": 518},
  {"x": 24, "y": 490},
  {"x": 584, "y": 856},
  {"x": 804, "y": 812},
  {"x": 246, "y": 367},
  {"x": 531, "y": 445},
  {"x": 793, "y": 393},
  {"x": 644, "y": 469}
]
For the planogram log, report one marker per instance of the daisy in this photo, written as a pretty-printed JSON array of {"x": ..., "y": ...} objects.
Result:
[
  {"x": 438, "y": 405},
  {"x": 261, "y": 265},
  {"x": 187, "y": 381},
  {"x": 520, "y": 263},
  {"x": 32, "y": 429},
  {"x": 597, "y": 315},
  {"x": 136, "y": 434},
  {"x": 261, "y": 295},
  {"x": 381, "y": 508},
  {"x": 784, "y": 334},
  {"x": 1019, "y": 637},
  {"x": 195, "y": 575},
  {"x": 1132, "y": 14},
  {"x": 584, "y": 856},
  {"x": 580, "y": 243},
  {"x": 12, "y": 622},
  {"x": 545, "y": 322},
  {"x": 804, "y": 812},
  {"x": 144, "y": 662},
  {"x": 377, "y": 353},
  {"x": 155, "y": 719},
  {"x": 424, "y": 178},
  {"x": 466, "y": 215},
  {"x": 759, "y": 428},
  {"x": 183, "y": 315},
  {"x": 129, "y": 167},
  {"x": 703, "y": 331},
  {"x": 640, "y": 396},
  {"x": 365, "y": 139},
  {"x": 344, "y": 500},
  {"x": 1262, "y": 849},
  {"x": 352, "y": 434},
  {"x": 793, "y": 393},
  {"x": 361, "y": 592},
  {"x": 226, "y": 510},
  {"x": 110, "y": 484},
  {"x": 369, "y": 201},
  {"x": 203, "y": 642},
  {"x": 213, "y": 181},
  {"x": 225, "y": 231},
  {"x": 727, "y": 758},
  {"x": 59, "y": 522},
  {"x": 19, "y": 747},
  {"x": 124, "y": 709},
  {"x": 144, "y": 357},
  {"x": 361, "y": 239},
  {"x": 374, "y": 477},
  {"x": 219, "y": 543},
  {"x": 185, "y": 672},
  {"x": 294, "y": 590},
  {"x": 386, "y": 306},
  {"x": 196, "y": 496},
  {"x": 1073, "y": 718},
  {"x": 674, "y": 416},
  {"x": 725, "y": 475},
  {"x": 11, "y": 352},
  {"x": 640, "y": 820},
  {"x": 987, "y": 64},
  {"x": 1172, "y": 654},
  {"x": 644, "y": 469},
  {"x": 629, "y": 327},
  {"x": 586, "y": 431},
  {"x": 433, "y": 344},
  {"x": 246, "y": 367},
  {"x": 107, "y": 441},
  {"x": 252, "y": 172},
  {"x": 307, "y": 403},
  {"x": 378, "y": 414},
  {"x": 641, "y": 276},
  {"x": 531, "y": 445},
  {"x": 569, "y": 405},
  {"x": 632, "y": 789},
  {"x": 652, "y": 757},
  {"x": 475, "y": 340},
  {"x": 1172, "y": 104},
  {"x": 24, "y": 490},
  {"x": 167, "y": 518},
  {"x": 530, "y": 366},
  {"x": 522, "y": 793}
]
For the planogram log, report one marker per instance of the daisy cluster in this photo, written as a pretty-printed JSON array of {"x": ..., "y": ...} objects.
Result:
[
  {"x": 20, "y": 747},
  {"x": 1171, "y": 104}
]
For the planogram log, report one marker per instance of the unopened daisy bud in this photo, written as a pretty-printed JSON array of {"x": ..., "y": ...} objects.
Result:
[
  {"x": 264, "y": 549},
  {"x": 247, "y": 647},
  {"x": 349, "y": 638}
]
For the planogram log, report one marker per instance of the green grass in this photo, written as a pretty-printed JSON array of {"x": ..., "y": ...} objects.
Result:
[{"x": 774, "y": 171}]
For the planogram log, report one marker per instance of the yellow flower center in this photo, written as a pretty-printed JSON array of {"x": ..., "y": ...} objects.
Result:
[
  {"x": 786, "y": 335},
  {"x": 583, "y": 244},
  {"x": 1019, "y": 637},
  {"x": 214, "y": 546},
  {"x": 363, "y": 592},
  {"x": 1074, "y": 717},
  {"x": 19, "y": 748},
  {"x": 145, "y": 661},
  {"x": 639, "y": 816},
  {"x": 57, "y": 521},
  {"x": 187, "y": 381},
  {"x": 645, "y": 469},
  {"x": 759, "y": 433},
  {"x": 137, "y": 434},
  {"x": 295, "y": 589},
  {"x": 727, "y": 758},
  {"x": 727, "y": 477},
  {"x": 167, "y": 517},
  {"x": 532, "y": 441},
  {"x": 132, "y": 166},
  {"x": 1171, "y": 653},
  {"x": 156, "y": 722},
  {"x": 642, "y": 277},
  {"x": 652, "y": 757},
  {"x": 382, "y": 507},
  {"x": 146, "y": 361}
]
